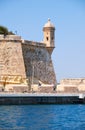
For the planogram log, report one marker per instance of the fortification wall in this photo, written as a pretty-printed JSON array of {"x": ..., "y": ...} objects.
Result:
[
  {"x": 11, "y": 60},
  {"x": 73, "y": 81},
  {"x": 72, "y": 85},
  {"x": 38, "y": 62},
  {"x": 21, "y": 59}
]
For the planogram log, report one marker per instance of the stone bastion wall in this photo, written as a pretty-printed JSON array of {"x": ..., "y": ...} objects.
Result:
[
  {"x": 25, "y": 59},
  {"x": 38, "y": 62}
]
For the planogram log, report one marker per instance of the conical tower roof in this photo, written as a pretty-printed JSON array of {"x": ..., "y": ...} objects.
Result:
[{"x": 49, "y": 24}]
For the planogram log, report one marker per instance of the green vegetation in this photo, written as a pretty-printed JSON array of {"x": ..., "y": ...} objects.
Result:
[{"x": 4, "y": 30}]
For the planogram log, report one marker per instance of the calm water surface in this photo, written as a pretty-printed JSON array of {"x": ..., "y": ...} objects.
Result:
[{"x": 42, "y": 117}]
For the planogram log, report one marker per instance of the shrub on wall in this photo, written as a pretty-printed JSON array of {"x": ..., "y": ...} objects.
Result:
[{"x": 4, "y": 30}]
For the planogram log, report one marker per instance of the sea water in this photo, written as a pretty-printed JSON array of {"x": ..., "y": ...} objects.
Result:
[{"x": 42, "y": 117}]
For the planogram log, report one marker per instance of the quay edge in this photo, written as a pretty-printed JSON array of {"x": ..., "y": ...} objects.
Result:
[{"x": 41, "y": 98}]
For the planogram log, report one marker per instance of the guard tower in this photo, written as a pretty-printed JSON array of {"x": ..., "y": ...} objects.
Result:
[{"x": 49, "y": 35}]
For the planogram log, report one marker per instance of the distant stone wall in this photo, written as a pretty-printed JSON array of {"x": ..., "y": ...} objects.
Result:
[
  {"x": 72, "y": 85},
  {"x": 38, "y": 62},
  {"x": 73, "y": 81}
]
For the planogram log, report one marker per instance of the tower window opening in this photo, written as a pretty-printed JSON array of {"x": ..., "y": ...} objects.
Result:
[
  {"x": 47, "y": 38},
  {"x": 52, "y": 38}
]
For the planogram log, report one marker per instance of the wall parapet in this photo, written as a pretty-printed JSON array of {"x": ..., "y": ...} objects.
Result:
[
  {"x": 35, "y": 43},
  {"x": 10, "y": 38},
  {"x": 73, "y": 81}
]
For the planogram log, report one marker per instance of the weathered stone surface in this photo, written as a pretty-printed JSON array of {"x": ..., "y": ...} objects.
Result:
[
  {"x": 21, "y": 60},
  {"x": 11, "y": 59},
  {"x": 38, "y": 63}
]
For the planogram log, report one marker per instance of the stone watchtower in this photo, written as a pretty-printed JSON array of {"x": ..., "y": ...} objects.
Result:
[{"x": 49, "y": 35}]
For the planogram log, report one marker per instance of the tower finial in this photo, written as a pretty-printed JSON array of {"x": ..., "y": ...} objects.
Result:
[{"x": 48, "y": 19}]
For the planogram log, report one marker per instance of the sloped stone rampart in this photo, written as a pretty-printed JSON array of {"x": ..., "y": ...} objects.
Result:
[{"x": 38, "y": 63}]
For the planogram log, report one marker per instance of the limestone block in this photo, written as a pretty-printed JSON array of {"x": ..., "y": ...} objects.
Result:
[
  {"x": 67, "y": 88},
  {"x": 16, "y": 88},
  {"x": 9, "y": 88},
  {"x": 46, "y": 89},
  {"x": 34, "y": 87},
  {"x": 81, "y": 87},
  {"x": 84, "y": 81},
  {"x": 72, "y": 81},
  {"x": 60, "y": 88},
  {"x": 71, "y": 89}
]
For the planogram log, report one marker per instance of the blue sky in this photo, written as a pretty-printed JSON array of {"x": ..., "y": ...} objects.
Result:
[{"x": 28, "y": 17}]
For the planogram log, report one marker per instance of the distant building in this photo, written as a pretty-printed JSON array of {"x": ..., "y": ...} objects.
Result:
[{"x": 74, "y": 85}]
